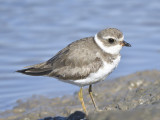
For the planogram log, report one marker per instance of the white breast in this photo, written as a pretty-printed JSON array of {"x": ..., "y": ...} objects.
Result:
[{"x": 100, "y": 75}]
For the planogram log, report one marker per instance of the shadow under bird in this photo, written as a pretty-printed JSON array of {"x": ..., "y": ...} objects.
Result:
[{"x": 84, "y": 62}]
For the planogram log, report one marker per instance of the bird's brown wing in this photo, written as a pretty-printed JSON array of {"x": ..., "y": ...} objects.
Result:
[{"x": 76, "y": 61}]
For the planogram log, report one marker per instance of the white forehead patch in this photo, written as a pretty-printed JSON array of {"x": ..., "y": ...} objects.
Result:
[{"x": 111, "y": 50}]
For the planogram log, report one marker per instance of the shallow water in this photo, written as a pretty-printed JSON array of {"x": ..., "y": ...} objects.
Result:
[{"x": 33, "y": 31}]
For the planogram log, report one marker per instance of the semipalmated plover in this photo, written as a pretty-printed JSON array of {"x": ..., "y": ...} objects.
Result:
[{"x": 84, "y": 62}]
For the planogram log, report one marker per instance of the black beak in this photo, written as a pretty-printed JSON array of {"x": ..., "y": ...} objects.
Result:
[{"x": 124, "y": 43}]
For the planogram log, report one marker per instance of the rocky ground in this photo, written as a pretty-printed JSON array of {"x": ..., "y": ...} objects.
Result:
[{"x": 132, "y": 97}]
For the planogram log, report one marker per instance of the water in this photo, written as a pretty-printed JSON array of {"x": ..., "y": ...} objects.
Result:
[{"x": 33, "y": 31}]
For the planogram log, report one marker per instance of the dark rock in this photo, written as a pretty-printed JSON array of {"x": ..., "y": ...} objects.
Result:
[{"x": 78, "y": 115}]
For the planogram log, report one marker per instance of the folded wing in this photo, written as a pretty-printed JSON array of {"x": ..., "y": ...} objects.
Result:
[{"x": 76, "y": 61}]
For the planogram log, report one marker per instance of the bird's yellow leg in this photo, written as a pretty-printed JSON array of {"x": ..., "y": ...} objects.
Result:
[
  {"x": 80, "y": 95},
  {"x": 93, "y": 101}
]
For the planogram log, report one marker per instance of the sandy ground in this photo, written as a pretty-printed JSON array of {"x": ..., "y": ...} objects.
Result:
[{"x": 136, "y": 96}]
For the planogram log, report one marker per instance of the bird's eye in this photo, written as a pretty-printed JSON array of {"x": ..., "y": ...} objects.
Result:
[{"x": 111, "y": 40}]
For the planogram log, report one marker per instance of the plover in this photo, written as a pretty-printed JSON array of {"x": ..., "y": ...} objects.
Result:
[{"x": 84, "y": 62}]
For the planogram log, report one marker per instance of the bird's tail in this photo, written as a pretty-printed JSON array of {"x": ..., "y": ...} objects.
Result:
[{"x": 36, "y": 70}]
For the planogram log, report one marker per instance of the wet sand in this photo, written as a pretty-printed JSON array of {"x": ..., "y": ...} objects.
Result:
[{"x": 136, "y": 96}]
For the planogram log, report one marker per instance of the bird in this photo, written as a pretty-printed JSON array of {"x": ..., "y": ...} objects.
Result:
[{"x": 84, "y": 62}]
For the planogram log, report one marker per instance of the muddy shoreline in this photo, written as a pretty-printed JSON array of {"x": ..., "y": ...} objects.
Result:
[{"x": 136, "y": 96}]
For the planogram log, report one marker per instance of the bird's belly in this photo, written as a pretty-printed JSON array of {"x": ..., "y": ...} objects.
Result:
[{"x": 100, "y": 75}]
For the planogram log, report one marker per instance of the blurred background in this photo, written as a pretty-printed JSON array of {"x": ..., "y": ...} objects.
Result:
[{"x": 32, "y": 31}]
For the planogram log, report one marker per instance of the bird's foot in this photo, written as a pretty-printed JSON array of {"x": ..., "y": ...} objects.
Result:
[{"x": 98, "y": 110}]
